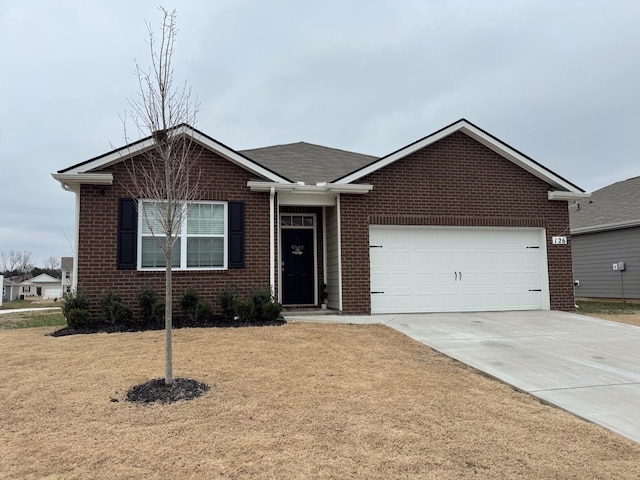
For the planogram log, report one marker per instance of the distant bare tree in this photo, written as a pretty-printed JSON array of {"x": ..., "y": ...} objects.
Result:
[
  {"x": 17, "y": 262},
  {"x": 169, "y": 176},
  {"x": 25, "y": 262},
  {"x": 51, "y": 263}
]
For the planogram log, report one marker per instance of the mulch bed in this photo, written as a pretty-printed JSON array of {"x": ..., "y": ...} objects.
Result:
[
  {"x": 158, "y": 391},
  {"x": 218, "y": 322}
]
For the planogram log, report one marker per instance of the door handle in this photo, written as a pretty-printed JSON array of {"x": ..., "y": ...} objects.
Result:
[
  {"x": 456, "y": 274},
  {"x": 460, "y": 275}
]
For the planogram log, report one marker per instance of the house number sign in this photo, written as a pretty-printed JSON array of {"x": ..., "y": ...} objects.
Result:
[{"x": 559, "y": 240}]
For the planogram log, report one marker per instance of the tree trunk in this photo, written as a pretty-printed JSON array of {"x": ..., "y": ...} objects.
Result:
[{"x": 168, "y": 313}]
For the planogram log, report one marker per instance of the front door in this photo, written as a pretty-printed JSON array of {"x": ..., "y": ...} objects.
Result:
[{"x": 297, "y": 266}]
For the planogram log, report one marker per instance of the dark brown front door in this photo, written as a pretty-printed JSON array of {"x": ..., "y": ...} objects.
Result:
[{"x": 297, "y": 269}]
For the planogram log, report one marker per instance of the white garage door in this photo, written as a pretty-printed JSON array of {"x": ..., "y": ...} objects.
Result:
[
  {"x": 51, "y": 292},
  {"x": 433, "y": 269}
]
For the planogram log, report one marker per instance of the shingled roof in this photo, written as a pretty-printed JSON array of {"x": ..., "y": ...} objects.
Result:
[
  {"x": 308, "y": 163},
  {"x": 612, "y": 207}
]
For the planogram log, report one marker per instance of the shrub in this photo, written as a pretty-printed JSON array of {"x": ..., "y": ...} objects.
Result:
[
  {"x": 146, "y": 299},
  {"x": 260, "y": 297},
  {"x": 205, "y": 312},
  {"x": 271, "y": 311},
  {"x": 114, "y": 311},
  {"x": 75, "y": 300},
  {"x": 157, "y": 312},
  {"x": 78, "y": 318},
  {"x": 76, "y": 309},
  {"x": 228, "y": 304},
  {"x": 189, "y": 303},
  {"x": 246, "y": 310}
]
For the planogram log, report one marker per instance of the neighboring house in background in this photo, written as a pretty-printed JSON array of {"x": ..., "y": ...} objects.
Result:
[
  {"x": 456, "y": 221},
  {"x": 605, "y": 230},
  {"x": 66, "y": 268},
  {"x": 10, "y": 290},
  {"x": 42, "y": 285}
]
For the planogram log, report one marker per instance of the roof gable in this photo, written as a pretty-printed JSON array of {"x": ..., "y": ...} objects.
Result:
[
  {"x": 89, "y": 167},
  {"x": 610, "y": 208},
  {"x": 480, "y": 136}
]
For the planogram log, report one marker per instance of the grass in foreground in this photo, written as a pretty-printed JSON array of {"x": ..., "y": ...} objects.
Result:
[
  {"x": 296, "y": 401},
  {"x": 606, "y": 307},
  {"x": 48, "y": 318}
]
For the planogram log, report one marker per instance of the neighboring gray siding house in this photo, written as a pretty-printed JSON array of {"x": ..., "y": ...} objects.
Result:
[
  {"x": 10, "y": 290},
  {"x": 605, "y": 230}
]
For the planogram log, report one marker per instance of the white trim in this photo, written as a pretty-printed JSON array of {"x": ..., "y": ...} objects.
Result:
[
  {"x": 301, "y": 188},
  {"x": 68, "y": 180},
  {"x": 568, "y": 196},
  {"x": 183, "y": 240},
  {"x": 339, "y": 242},
  {"x": 324, "y": 245},
  {"x": 478, "y": 135},
  {"x": 272, "y": 246},
  {"x": 605, "y": 227},
  {"x": 139, "y": 147}
]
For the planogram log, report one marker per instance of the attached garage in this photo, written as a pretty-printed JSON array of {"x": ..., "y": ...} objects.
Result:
[{"x": 457, "y": 269}]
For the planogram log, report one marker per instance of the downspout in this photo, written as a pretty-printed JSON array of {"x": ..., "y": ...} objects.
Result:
[
  {"x": 339, "y": 228},
  {"x": 76, "y": 239},
  {"x": 272, "y": 247}
]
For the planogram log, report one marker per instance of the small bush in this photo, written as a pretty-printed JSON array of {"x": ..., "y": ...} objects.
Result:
[
  {"x": 246, "y": 310},
  {"x": 158, "y": 312},
  {"x": 189, "y": 303},
  {"x": 271, "y": 311},
  {"x": 76, "y": 310},
  {"x": 260, "y": 298},
  {"x": 78, "y": 318},
  {"x": 228, "y": 304},
  {"x": 74, "y": 301},
  {"x": 146, "y": 299},
  {"x": 205, "y": 312},
  {"x": 113, "y": 311}
]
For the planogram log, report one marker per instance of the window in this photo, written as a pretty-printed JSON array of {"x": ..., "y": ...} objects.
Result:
[
  {"x": 296, "y": 220},
  {"x": 201, "y": 241}
]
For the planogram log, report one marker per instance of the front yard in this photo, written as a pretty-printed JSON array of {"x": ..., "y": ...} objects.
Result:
[{"x": 295, "y": 401}]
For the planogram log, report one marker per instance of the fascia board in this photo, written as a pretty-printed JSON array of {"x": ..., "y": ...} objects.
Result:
[
  {"x": 141, "y": 146},
  {"x": 84, "y": 178},
  {"x": 480, "y": 136},
  {"x": 568, "y": 196},
  {"x": 295, "y": 188},
  {"x": 606, "y": 227}
]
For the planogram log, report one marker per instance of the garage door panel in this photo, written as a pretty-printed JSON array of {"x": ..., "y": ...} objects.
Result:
[{"x": 429, "y": 269}]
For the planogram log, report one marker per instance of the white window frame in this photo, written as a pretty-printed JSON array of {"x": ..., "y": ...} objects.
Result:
[{"x": 183, "y": 239}]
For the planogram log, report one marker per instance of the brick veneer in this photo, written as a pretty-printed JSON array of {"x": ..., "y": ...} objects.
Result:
[
  {"x": 453, "y": 182},
  {"x": 224, "y": 181}
]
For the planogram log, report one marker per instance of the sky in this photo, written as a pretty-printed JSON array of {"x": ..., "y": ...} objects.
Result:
[{"x": 557, "y": 80}]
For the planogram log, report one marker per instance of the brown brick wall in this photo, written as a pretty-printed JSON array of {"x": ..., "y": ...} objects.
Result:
[
  {"x": 453, "y": 182},
  {"x": 224, "y": 181}
]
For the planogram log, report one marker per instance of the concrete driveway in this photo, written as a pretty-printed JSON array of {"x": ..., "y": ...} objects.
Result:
[{"x": 587, "y": 366}]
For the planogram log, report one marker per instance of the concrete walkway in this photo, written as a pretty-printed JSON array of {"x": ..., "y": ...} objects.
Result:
[
  {"x": 18, "y": 310},
  {"x": 587, "y": 366}
]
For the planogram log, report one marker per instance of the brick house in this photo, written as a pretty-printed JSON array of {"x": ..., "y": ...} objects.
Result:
[{"x": 456, "y": 221}]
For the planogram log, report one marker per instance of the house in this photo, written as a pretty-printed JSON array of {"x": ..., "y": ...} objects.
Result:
[
  {"x": 66, "y": 270},
  {"x": 10, "y": 290},
  {"x": 455, "y": 221},
  {"x": 605, "y": 233},
  {"x": 42, "y": 285}
]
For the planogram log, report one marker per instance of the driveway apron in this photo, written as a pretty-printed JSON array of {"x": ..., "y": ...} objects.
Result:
[{"x": 587, "y": 366}]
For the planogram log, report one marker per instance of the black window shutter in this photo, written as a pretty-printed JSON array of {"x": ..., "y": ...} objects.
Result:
[
  {"x": 127, "y": 233},
  {"x": 236, "y": 235}
]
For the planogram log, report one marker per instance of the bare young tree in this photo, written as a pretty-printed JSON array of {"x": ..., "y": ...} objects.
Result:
[
  {"x": 166, "y": 178},
  {"x": 51, "y": 263}
]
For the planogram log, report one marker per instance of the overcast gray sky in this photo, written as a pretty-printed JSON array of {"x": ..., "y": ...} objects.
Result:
[{"x": 558, "y": 80}]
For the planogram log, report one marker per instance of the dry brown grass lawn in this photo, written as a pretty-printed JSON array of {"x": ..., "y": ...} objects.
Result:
[
  {"x": 297, "y": 401},
  {"x": 629, "y": 318}
]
